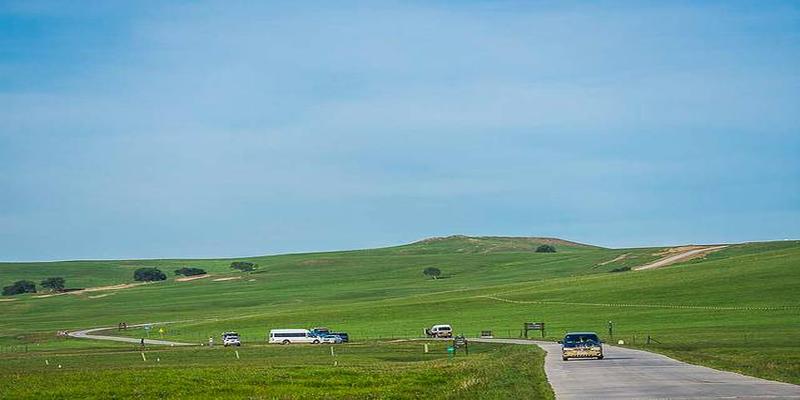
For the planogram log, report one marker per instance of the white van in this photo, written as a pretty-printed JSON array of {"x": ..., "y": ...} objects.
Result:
[
  {"x": 440, "y": 331},
  {"x": 287, "y": 336}
]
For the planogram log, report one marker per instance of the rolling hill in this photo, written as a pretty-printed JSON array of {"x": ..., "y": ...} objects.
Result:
[{"x": 724, "y": 309}]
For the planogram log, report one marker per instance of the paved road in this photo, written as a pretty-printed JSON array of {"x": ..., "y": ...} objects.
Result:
[
  {"x": 636, "y": 374},
  {"x": 86, "y": 334}
]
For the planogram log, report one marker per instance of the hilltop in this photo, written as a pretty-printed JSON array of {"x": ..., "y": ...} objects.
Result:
[{"x": 490, "y": 244}]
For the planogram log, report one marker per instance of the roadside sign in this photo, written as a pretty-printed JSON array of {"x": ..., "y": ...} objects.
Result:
[{"x": 533, "y": 326}]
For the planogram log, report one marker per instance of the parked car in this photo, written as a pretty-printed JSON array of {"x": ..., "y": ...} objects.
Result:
[
  {"x": 345, "y": 337},
  {"x": 330, "y": 339},
  {"x": 320, "y": 330},
  {"x": 231, "y": 339},
  {"x": 440, "y": 331},
  {"x": 581, "y": 345},
  {"x": 288, "y": 336}
]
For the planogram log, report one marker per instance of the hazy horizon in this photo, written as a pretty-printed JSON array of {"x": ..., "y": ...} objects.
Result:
[{"x": 217, "y": 129}]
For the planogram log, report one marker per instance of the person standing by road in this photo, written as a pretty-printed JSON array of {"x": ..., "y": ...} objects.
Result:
[{"x": 141, "y": 343}]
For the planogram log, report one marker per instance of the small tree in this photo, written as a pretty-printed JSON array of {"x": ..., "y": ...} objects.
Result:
[
  {"x": 189, "y": 271},
  {"x": 244, "y": 266},
  {"x": 433, "y": 272},
  {"x": 149, "y": 275},
  {"x": 19, "y": 287},
  {"x": 55, "y": 284},
  {"x": 545, "y": 248}
]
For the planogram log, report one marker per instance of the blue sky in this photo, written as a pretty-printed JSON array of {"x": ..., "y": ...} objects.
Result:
[{"x": 198, "y": 129}]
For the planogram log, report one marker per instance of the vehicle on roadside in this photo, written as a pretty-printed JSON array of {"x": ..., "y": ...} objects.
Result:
[
  {"x": 581, "y": 345},
  {"x": 440, "y": 331},
  {"x": 289, "y": 336},
  {"x": 330, "y": 339},
  {"x": 345, "y": 337},
  {"x": 320, "y": 330},
  {"x": 231, "y": 339}
]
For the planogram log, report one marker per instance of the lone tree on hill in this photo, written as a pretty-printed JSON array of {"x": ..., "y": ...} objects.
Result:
[
  {"x": 55, "y": 284},
  {"x": 149, "y": 275},
  {"x": 545, "y": 248},
  {"x": 433, "y": 272},
  {"x": 244, "y": 266},
  {"x": 190, "y": 271},
  {"x": 19, "y": 287}
]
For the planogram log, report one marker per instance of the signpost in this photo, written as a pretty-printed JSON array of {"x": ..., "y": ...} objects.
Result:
[
  {"x": 147, "y": 329},
  {"x": 533, "y": 326},
  {"x": 459, "y": 342}
]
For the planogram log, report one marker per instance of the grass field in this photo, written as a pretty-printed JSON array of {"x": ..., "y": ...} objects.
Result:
[
  {"x": 365, "y": 370},
  {"x": 735, "y": 309}
]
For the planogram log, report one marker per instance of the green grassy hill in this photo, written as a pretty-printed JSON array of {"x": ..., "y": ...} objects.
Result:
[{"x": 725, "y": 310}]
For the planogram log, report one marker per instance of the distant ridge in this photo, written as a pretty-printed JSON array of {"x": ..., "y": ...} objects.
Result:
[{"x": 490, "y": 244}]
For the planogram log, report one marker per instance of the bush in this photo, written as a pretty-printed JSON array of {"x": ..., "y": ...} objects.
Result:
[
  {"x": 244, "y": 266},
  {"x": 620, "y": 269},
  {"x": 190, "y": 271},
  {"x": 433, "y": 272},
  {"x": 55, "y": 284},
  {"x": 545, "y": 248},
  {"x": 149, "y": 275},
  {"x": 19, "y": 287}
]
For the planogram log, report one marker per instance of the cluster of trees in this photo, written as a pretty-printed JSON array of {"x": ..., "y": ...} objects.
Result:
[
  {"x": 244, "y": 266},
  {"x": 190, "y": 271},
  {"x": 19, "y": 287},
  {"x": 149, "y": 274},
  {"x": 620, "y": 269},
  {"x": 433, "y": 272},
  {"x": 546, "y": 248},
  {"x": 55, "y": 284}
]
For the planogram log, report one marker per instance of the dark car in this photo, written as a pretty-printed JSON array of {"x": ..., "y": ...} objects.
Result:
[
  {"x": 581, "y": 345},
  {"x": 345, "y": 337}
]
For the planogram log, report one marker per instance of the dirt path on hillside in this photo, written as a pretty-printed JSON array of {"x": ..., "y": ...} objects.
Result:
[
  {"x": 191, "y": 278},
  {"x": 93, "y": 289},
  {"x": 678, "y": 254}
]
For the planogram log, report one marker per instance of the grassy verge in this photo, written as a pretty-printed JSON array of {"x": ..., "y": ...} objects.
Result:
[{"x": 362, "y": 370}]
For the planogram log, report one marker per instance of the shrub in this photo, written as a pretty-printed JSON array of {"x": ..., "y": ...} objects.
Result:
[
  {"x": 19, "y": 287},
  {"x": 545, "y": 248},
  {"x": 190, "y": 271},
  {"x": 244, "y": 266},
  {"x": 55, "y": 284},
  {"x": 148, "y": 275},
  {"x": 620, "y": 269},
  {"x": 433, "y": 272}
]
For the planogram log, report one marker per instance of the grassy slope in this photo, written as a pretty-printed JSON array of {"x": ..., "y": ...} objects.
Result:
[{"x": 381, "y": 293}]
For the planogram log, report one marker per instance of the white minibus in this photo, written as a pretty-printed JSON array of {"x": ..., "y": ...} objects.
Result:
[{"x": 287, "y": 336}]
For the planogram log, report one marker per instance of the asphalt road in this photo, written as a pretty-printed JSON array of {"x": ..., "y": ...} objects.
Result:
[
  {"x": 87, "y": 334},
  {"x": 636, "y": 374}
]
